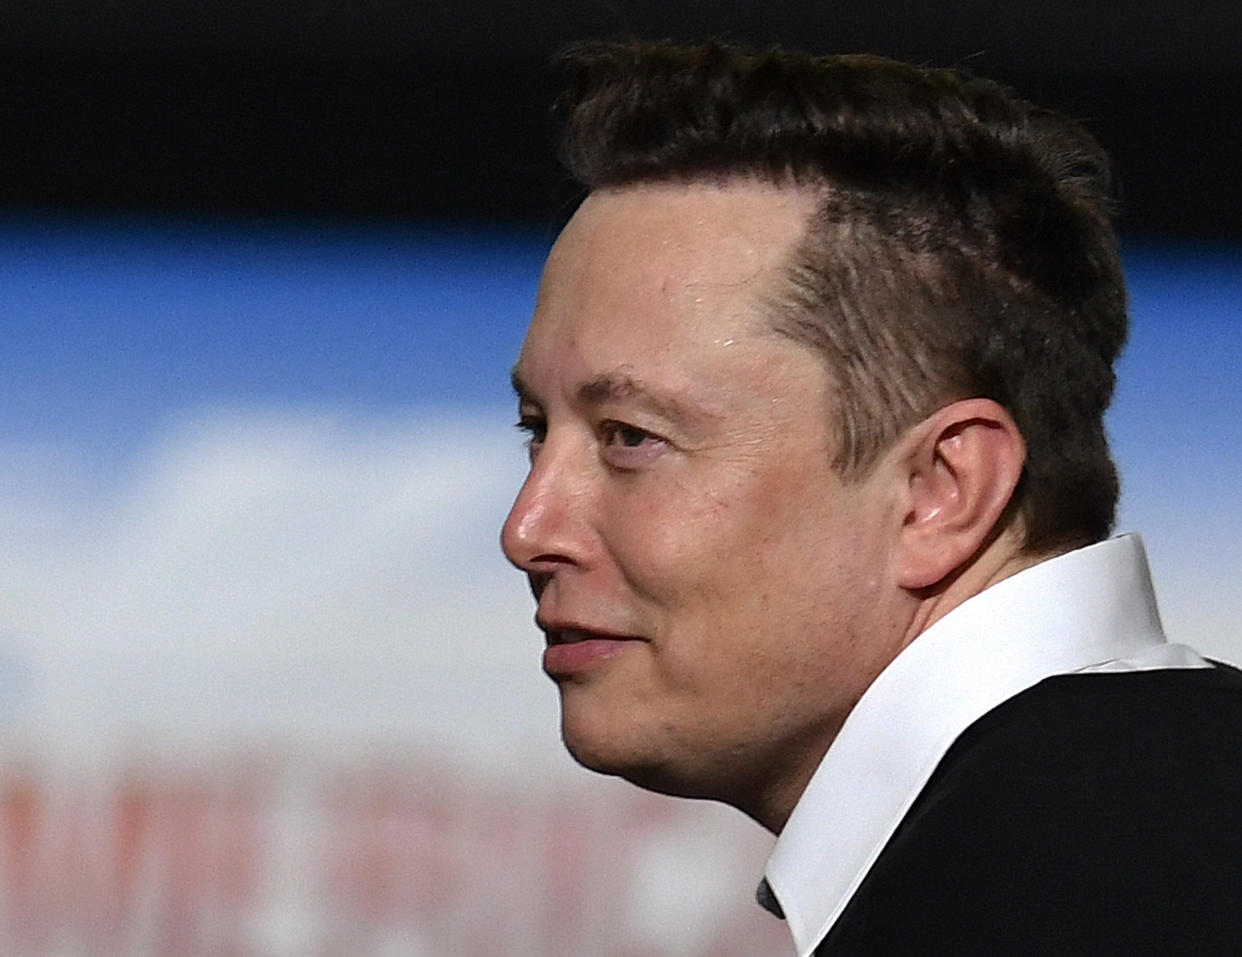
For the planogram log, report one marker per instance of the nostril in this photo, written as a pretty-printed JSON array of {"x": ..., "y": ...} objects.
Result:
[{"x": 538, "y": 582}]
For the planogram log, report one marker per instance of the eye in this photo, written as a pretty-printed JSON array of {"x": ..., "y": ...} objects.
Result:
[
  {"x": 627, "y": 446},
  {"x": 535, "y": 428},
  {"x": 626, "y": 436}
]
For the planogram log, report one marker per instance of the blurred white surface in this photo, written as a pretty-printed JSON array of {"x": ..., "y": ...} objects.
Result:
[{"x": 278, "y": 693}]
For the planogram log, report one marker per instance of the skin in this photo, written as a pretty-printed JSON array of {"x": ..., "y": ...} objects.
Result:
[{"x": 715, "y": 596}]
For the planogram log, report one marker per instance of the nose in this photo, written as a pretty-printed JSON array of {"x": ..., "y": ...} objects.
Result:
[{"x": 546, "y": 527}]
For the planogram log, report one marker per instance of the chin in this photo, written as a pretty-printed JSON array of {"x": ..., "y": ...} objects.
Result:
[
  {"x": 602, "y": 754},
  {"x": 597, "y": 747},
  {"x": 644, "y": 767}
]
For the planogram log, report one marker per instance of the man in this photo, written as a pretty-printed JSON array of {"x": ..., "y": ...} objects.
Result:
[{"x": 819, "y": 500}]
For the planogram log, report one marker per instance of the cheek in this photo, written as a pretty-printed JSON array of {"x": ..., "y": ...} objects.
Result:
[
  {"x": 724, "y": 559},
  {"x": 673, "y": 542}
]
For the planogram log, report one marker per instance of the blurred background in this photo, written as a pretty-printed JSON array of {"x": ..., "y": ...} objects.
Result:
[{"x": 266, "y": 685}]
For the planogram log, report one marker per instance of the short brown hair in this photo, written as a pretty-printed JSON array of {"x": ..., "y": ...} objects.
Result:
[{"x": 962, "y": 247}]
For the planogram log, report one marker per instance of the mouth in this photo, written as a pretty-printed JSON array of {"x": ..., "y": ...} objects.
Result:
[
  {"x": 572, "y": 650},
  {"x": 573, "y": 636},
  {"x": 570, "y": 632}
]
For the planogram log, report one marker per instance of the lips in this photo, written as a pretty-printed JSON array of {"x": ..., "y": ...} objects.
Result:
[
  {"x": 571, "y": 636},
  {"x": 573, "y": 650}
]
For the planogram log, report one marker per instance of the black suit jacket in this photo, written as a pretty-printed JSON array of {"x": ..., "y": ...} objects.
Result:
[{"x": 1090, "y": 815}]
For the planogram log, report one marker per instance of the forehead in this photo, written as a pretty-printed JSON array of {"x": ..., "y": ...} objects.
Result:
[
  {"x": 643, "y": 276},
  {"x": 696, "y": 232}
]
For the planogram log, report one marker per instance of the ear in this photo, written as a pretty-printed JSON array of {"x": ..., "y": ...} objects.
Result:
[{"x": 962, "y": 464}]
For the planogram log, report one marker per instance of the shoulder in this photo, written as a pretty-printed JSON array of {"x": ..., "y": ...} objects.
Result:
[
  {"x": 1094, "y": 813},
  {"x": 1138, "y": 724}
]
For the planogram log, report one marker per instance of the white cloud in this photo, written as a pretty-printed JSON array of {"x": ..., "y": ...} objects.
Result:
[
  {"x": 328, "y": 589},
  {"x": 279, "y": 572}
]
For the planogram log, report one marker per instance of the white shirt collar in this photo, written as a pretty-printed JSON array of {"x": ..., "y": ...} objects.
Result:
[{"x": 1093, "y": 609}]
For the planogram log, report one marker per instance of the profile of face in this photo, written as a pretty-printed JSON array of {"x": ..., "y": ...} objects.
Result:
[{"x": 707, "y": 583}]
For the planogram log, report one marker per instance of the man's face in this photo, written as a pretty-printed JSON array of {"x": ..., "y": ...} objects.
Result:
[{"x": 705, "y": 579}]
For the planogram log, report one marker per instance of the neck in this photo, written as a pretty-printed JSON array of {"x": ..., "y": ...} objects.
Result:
[{"x": 1000, "y": 558}]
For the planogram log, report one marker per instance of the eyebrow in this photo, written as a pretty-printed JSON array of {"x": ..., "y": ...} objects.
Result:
[
  {"x": 619, "y": 386},
  {"x": 519, "y": 387}
]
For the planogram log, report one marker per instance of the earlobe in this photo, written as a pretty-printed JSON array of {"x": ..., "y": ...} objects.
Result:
[{"x": 962, "y": 464}]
